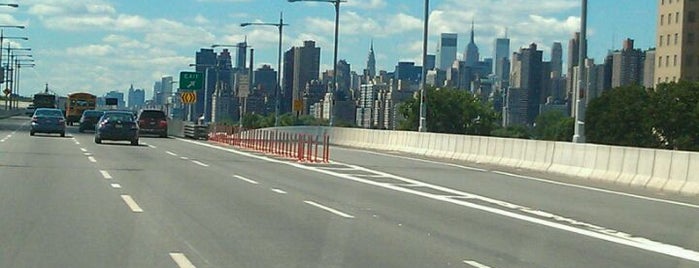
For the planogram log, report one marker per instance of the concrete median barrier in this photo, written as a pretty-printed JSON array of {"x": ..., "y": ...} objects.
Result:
[
  {"x": 691, "y": 187},
  {"x": 644, "y": 170},
  {"x": 601, "y": 163},
  {"x": 669, "y": 171},
  {"x": 629, "y": 166},
  {"x": 661, "y": 169},
  {"x": 679, "y": 172}
]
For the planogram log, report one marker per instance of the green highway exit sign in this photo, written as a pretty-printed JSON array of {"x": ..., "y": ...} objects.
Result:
[{"x": 191, "y": 81}]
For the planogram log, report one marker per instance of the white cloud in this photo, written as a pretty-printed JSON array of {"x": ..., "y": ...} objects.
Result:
[
  {"x": 90, "y": 51},
  {"x": 200, "y": 19},
  {"x": 367, "y": 4}
]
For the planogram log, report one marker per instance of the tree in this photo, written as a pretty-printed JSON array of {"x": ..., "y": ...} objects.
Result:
[
  {"x": 621, "y": 117},
  {"x": 516, "y": 131},
  {"x": 674, "y": 115},
  {"x": 450, "y": 111},
  {"x": 554, "y": 126}
]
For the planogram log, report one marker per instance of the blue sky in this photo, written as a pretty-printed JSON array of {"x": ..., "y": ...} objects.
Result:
[{"x": 103, "y": 45}]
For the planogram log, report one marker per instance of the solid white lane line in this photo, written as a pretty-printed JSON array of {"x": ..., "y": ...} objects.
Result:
[
  {"x": 536, "y": 179},
  {"x": 245, "y": 179},
  {"x": 329, "y": 209},
  {"x": 92, "y": 159},
  {"x": 555, "y": 221},
  {"x": 199, "y": 163},
  {"x": 83, "y": 149},
  {"x": 416, "y": 159},
  {"x": 598, "y": 190},
  {"x": 181, "y": 260},
  {"x": 105, "y": 174},
  {"x": 115, "y": 185},
  {"x": 184, "y": 158},
  {"x": 279, "y": 191},
  {"x": 170, "y": 153},
  {"x": 475, "y": 264},
  {"x": 131, "y": 203}
]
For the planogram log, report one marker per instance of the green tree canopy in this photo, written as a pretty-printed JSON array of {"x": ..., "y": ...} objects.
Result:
[
  {"x": 450, "y": 111},
  {"x": 554, "y": 126},
  {"x": 621, "y": 116}
]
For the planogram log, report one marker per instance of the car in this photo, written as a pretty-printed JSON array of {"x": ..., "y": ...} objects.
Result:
[
  {"x": 48, "y": 120},
  {"x": 30, "y": 110},
  {"x": 152, "y": 121},
  {"x": 117, "y": 126},
  {"x": 89, "y": 119}
]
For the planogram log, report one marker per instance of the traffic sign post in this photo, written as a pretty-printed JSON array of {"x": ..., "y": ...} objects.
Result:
[
  {"x": 191, "y": 81},
  {"x": 188, "y": 97}
]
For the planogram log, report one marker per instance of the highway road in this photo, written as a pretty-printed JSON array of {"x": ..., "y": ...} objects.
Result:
[{"x": 68, "y": 202}]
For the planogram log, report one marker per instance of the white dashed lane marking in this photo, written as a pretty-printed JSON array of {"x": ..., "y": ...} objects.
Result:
[
  {"x": 475, "y": 264},
  {"x": 131, "y": 203},
  {"x": 105, "y": 174},
  {"x": 181, "y": 260},
  {"x": 245, "y": 179},
  {"x": 329, "y": 209},
  {"x": 279, "y": 191},
  {"x": 199, "y": 163}
]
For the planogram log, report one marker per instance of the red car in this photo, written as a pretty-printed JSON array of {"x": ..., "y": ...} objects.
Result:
[{"x": 152, "y": 122}]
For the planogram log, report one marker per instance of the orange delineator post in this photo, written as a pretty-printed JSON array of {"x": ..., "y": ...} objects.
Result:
[{"x": 315, "y": 156}]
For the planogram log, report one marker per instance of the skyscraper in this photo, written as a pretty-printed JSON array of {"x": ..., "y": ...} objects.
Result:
[
  {"x": 241, "y": 55},
  {"x": 286, "y": 96},
  {"x": 573, "y": 51},
  {"x": 344, "y": 80},
  {"x": 136, "y": 98},
  {"x": 166, "y": 89},
  {"x": 471, "y": 56},
  {"x": 527, "y": 74},
  {"x": 677, "y": 51},
  {"x": 371, "y": 62},
  {"x": 446, "y": 50},
  {"x": 627, "y": 65},
  {"x": 301, "y": 65},
  {"x": 431, "y": 61},
  {"x": 649, "y": 68},
  {"x": 556, "y": 60},
  {"x": 556, "y": 85},
  {"x": 205, "y": 61},
  {"x": 502, "y": 59}
]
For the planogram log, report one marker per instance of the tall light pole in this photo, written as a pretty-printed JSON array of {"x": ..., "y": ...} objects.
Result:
[
  {"x": 423, "y": 84},
  {"x": 333, "y": 90},
  {"x": 2, "y": 36},
  {"x": 19, "y": 63},
  {"x": 8, "y": 76},
  {"x": 579, "y": 136},
  {"x": 277, "y": 89}
]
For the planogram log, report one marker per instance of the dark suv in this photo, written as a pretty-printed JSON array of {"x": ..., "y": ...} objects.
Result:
[{"x": 152, "y": 122}]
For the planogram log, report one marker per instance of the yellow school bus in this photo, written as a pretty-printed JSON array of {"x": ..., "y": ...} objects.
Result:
[{"x": 77, "y": 104}]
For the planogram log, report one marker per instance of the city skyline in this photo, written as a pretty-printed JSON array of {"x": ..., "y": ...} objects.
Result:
[{"x": 104, "y": 45}]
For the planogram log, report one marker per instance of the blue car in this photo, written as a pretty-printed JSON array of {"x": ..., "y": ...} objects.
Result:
[
  {"x": 48, "y": 120},
  {"x": 117, "y": 126}
]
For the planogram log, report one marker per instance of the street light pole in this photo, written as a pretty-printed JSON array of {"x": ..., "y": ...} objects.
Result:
[
  {"x": 277, "y": 90},
  {"x": 423, "y": 88},
  {"x": 580, "y": 93},
  {"x": 333, "y": 89}
]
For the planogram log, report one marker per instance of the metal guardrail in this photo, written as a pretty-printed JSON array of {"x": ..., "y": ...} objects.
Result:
[{"x": 195, "y": 131}]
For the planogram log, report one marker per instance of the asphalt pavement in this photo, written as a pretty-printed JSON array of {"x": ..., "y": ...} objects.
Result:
[{"x": 68, "y": 202}]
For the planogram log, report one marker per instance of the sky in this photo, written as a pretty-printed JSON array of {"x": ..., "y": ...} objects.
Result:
[{"x": 103, "y": 45}]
